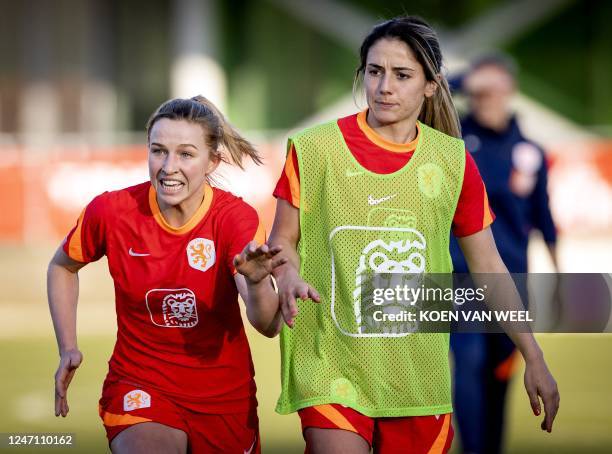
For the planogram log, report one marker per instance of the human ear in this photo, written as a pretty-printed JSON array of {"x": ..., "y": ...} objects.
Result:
[
  {"x": 431, "y": 86},
  {"x": 213, "y": 162}
]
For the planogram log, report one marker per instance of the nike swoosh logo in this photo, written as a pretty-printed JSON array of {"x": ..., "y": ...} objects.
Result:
[
  {"x": 373, "y": 201},
  {"x": 137, "y": 254},
  {"x": 252, "y": 446}
]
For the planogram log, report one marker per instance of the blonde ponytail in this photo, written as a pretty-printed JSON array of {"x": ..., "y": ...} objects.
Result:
[
  {"x": 220, "y": 134},
  {"x": 236, "y": 146}
]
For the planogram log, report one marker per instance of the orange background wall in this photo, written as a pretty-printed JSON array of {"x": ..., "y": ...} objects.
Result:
[{"x": 43, "y": 192}]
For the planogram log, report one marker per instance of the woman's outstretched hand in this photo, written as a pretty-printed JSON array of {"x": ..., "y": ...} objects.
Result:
[{"x": 256, "y": 263}]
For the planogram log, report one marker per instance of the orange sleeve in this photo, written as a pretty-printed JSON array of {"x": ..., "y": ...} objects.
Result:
[
  {"x": 86, "y": 242},
  {"x": 288, "y": 186},
  {"x": 73, "y": 246},
  {"x": 473, "y": 212}
]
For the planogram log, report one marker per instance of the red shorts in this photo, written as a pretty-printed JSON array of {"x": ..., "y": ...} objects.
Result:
[
  {"x": 123, "y": 405},
  {"x": 414, "y": 434}
]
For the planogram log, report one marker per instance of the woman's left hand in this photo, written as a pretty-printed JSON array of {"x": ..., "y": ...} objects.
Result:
[
  {"x": 540, "y": 383},
  {"x": 256, "y": 263}
]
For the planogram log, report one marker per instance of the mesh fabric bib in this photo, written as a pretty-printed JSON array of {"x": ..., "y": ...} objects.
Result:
[{"x": 354, "y": 225}]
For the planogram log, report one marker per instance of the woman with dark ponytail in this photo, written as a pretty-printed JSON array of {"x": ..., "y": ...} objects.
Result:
[
  {"x": 362, "y": 198},
  {"x": 179, "y": 251},
  {"x": 438, "y": 110}
]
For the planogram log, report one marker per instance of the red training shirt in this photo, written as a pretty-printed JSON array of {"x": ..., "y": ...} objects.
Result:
[{"x": 179, "y": 325}]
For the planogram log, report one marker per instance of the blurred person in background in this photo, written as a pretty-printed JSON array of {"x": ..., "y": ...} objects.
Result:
[
  {"x": 355, "y": 194},
  {"x": 514, "y": 172},
  {"x": 181, "y": 374}
]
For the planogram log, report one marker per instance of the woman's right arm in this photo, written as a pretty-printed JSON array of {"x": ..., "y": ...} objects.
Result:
[
  {"x": 63, "y": 292},
  {"x": 286, "y": 233}
]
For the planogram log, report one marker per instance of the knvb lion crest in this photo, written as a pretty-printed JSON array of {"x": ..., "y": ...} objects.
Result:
[
  {"x": 431, "y": 180},
  {"x": 172, "y": 308},
  {"x": 201, "y": 254},
  {"x": 136, "y": 399}
]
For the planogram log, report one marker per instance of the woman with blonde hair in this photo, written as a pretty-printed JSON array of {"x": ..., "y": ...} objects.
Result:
[{"x": 181, "y": 375}]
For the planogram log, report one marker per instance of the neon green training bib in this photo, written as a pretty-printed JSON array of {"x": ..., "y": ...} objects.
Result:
[{"x": 355, "y": 225}]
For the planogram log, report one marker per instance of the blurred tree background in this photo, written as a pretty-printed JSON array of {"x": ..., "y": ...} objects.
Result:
[{"x": 279, "y": 67}]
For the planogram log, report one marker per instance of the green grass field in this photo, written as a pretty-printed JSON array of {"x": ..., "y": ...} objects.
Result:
[{"x": 582, "y": 365}]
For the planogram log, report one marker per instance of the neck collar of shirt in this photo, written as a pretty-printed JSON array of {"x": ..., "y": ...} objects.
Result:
[
  {"x": 191, "y": 223},
  {"x": 377, "y": 139}
]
